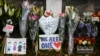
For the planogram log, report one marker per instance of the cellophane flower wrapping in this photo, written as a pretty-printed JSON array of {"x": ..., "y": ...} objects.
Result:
[
  {"x": 23, "y": 25},
  {"x": 62, "y": 26},
  {"x": 72, "y": 21}
]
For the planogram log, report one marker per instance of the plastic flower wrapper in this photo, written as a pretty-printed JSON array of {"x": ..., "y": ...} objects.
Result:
[
  {"x": 23, "y": 21},
  {"x": 47, "y": 23},
  {"x": 62, "y": 26},
  {"x": 72, "y": 21}
]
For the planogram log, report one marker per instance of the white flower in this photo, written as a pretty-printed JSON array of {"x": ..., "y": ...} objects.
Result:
[
  {"x": 95, "y": 19},
  {"x": 73, "y": 15},
  {"x": 67, "y": 9},
  {"x": 87, "y": 13},
  {"x": 11, "y": 12},
  {"x": 84, "y": 42},
  {"x": 5, "y": 7}
]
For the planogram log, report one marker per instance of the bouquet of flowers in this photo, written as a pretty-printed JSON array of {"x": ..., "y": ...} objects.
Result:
[
  {"x": 35, "y": 13},
  {"x": 9, "y": 14},
  {"x": 33, "y": 25},
  {"x": 86, "y": 32},
  {"x": 8, "y": 11},
  {"x": 72, "y": 22}
]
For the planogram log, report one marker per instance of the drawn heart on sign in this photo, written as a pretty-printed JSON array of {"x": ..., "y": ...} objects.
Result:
[{"x": 57, "y": 44}]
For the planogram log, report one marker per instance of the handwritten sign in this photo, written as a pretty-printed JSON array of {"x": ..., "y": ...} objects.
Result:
[
  {"x": 49, "y": 42},
  {"x": 15, "y": 46}
]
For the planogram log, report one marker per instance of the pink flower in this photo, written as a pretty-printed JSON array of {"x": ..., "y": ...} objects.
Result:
[
  {"x": 61, "y": 14},
  {"x": 30, "y": 17},
  {"x": 47, "y": 13},
  {"x": 35, "y": 17}
]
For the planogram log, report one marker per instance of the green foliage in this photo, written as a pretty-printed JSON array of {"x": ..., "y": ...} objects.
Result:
[{"x": 9, "y": 11}]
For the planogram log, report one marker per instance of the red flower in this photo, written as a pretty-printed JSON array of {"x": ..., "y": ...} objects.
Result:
[{"x": 94, "y": 15}]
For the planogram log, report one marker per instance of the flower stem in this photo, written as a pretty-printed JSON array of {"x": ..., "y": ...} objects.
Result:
[{"x": 3, "y": 45}]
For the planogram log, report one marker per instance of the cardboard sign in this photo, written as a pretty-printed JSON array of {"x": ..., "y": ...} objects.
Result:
[
  {"x": 15, "y": 46},
  {"x": 49, "y": 42}
]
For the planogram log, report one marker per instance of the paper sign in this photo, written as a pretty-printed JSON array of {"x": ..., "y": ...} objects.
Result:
[
  {"x": 49, "y": 42},
  {"x": 15, "y": 46}
]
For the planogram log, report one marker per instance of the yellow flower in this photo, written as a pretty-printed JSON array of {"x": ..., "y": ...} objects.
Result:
[
  {"x": 41, "y": 11},
  {"x": 11, "y": 12},
  {"x": 18, "y": 13},
  {"x": 35, "y": 9},
  {"x": 89, "y": 42},
  {"x": 38, "y": 10},
  {"x": 80, "y": 41},
  {"x": 5, "y": 7},
  {"x": 1, "y": 3}
]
